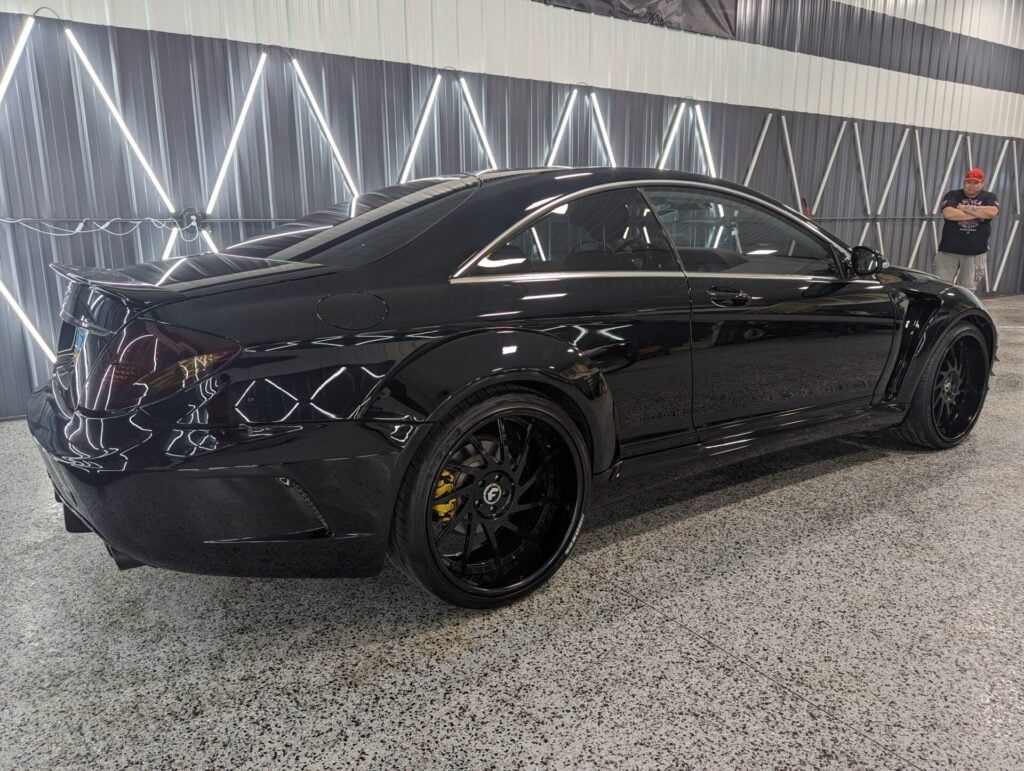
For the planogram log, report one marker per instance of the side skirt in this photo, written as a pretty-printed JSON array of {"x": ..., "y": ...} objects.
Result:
[{"x": 749, "y": 439}]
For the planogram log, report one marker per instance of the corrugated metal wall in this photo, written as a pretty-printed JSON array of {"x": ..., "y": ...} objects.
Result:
[{"x": 63, "y": 157}]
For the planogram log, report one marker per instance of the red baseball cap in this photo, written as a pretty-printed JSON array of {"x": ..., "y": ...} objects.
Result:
[{"x": 977, "y": 175}]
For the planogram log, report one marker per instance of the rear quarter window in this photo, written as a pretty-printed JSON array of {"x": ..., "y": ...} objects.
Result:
[{"x": 384, "y": 221}]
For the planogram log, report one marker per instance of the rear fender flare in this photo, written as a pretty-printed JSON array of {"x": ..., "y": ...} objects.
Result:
[{"x": 435, "y": 380}]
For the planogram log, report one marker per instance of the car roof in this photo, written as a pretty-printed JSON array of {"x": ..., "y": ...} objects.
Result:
[
  {"x": 572, "y": 178},
  {"x": 596, "y": 175}
]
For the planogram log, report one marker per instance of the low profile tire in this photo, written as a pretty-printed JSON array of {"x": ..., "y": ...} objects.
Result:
[
  {"x": 493, "y": 499},
  {"x": 951, "y": 391}
]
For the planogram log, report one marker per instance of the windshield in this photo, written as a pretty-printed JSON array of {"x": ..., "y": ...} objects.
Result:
[{"x": 364, "y": 230}]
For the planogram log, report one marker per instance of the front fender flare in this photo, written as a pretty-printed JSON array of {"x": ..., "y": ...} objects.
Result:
[{"x": 935, "y": 315}]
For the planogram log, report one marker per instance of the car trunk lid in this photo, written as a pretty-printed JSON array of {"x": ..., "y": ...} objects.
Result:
[{"x": 98, "y": 303}]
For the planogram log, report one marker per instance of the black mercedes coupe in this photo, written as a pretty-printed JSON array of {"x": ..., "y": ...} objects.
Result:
[{"x": 441, "y": 371}]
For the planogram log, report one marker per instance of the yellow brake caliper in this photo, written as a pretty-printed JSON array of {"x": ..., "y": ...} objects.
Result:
[{"x": 445, "y": 485}]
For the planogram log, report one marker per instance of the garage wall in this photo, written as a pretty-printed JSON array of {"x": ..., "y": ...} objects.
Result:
[{"x": 775, "y": 107}]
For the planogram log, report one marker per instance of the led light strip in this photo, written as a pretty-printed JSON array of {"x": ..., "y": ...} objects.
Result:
[
  {"x": 702, "y": 133},
  {"x": 170, "y": 244},
  {"x": 704, "y": 143},
  {"x": 325, "y": 128},
  {"x": 670, "y": 136},
  {"x": 563, "y": 122},
  {"x": 421, "y": 126},
  {"x": 209, "y": 240},
  {"x": 602, "y": 130},
  {"x": 134, "y": 145},
  {"x": 19, "y": 47},
  {"x": 119, "y": 119},
  {"x": 5, "y": 82},
  {"x": 233, "y": 143},
  {"x": 26, "y": 322},
  {"x": 477, "y": 123},
  {"x": 540, "y": 248}
]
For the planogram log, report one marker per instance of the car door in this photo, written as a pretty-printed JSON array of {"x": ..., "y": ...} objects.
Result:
[
  {"x": 598, "y": 272},
  {"x": 779, "y": 321}
]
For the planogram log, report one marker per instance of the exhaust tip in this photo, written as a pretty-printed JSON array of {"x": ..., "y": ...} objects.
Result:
[{"x": 122, "y": 560}]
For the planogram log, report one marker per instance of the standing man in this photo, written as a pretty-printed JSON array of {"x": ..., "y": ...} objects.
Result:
[{"x": 964, "y": 247}]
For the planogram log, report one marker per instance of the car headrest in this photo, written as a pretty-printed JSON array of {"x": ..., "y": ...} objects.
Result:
[{"x": 599, "y": 260}]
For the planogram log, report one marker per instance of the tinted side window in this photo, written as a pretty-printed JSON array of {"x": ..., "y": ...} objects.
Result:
[
  {"x": 716, "y": 233},
  {"x": 383, "y": 222},
  {"x": 610, "y": 231}
]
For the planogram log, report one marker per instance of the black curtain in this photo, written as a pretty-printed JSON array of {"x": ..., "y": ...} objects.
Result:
[{"x": 710, "y": 17}]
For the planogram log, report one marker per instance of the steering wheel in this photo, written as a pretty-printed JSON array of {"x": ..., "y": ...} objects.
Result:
[
  {"x": 592, "y": 245},
  {"x": 634, "y": 244}
]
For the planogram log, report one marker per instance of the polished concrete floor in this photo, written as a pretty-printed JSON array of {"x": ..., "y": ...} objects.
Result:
[{"x": 853, "y": 603}]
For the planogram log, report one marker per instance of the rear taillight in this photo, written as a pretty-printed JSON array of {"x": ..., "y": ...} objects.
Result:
[{"x": 146, "y": 361}]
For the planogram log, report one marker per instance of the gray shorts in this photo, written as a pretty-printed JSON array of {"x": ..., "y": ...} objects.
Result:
[{"x": 964, "y": 269}]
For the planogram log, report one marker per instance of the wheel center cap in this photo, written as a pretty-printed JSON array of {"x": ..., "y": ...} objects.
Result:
[{"x": 492, "y": 493}]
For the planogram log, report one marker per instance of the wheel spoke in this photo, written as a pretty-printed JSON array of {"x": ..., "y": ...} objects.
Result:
[
  {"x": 519, "y": 508},
  {"x": 478, "y": 446},
  {"x": 456, "y": 491},
  {"x": 465, "y": 546},
  {"x": 503, "y": 447},
  {"x": 473, "y": 471},
  {"x": 524, "y": 453},
  {"x": 492, "y": 537},
  {"x": 541, "y": 468}
]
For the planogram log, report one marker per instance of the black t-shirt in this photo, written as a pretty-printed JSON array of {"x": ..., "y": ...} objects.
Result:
[{"x": 966, "y": 236}]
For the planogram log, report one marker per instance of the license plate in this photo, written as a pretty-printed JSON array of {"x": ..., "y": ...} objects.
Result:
[{"x": 76, "y": 346}]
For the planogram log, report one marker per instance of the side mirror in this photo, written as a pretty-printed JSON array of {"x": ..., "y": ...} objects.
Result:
[{"x": 866, "y": 261}]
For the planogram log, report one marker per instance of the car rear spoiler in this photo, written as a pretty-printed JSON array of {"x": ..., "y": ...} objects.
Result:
[{"x": 136, "y": 292}]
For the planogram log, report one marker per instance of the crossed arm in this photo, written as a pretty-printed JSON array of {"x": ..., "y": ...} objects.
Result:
[{"x": 967, "y": 212}]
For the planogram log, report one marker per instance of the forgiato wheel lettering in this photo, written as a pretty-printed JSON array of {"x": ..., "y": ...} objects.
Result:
[{"x": 513, "y": 507}]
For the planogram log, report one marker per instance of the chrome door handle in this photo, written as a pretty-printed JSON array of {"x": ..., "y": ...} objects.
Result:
[{"x": 727, "y": 296}]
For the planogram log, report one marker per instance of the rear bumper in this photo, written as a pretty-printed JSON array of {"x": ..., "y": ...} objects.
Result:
[{"x": 300, "y": 500}]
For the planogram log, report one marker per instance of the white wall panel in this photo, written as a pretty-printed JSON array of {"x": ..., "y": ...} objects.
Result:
[{"x": 541, "y": 42}]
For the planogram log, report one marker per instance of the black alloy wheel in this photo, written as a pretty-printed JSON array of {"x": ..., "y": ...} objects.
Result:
[
  {"x": 958, "y": 392},
  {"x": 498, "y": 501},
  {"x": 951, "y": 391}
]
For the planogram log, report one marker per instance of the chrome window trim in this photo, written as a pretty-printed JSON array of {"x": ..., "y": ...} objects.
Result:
[
  {"x": 554, "y": 203},
  {"x": 563, "y": 275}
]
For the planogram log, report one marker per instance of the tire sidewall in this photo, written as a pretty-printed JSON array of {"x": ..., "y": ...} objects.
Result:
[{"x": 924, "y": 392}]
